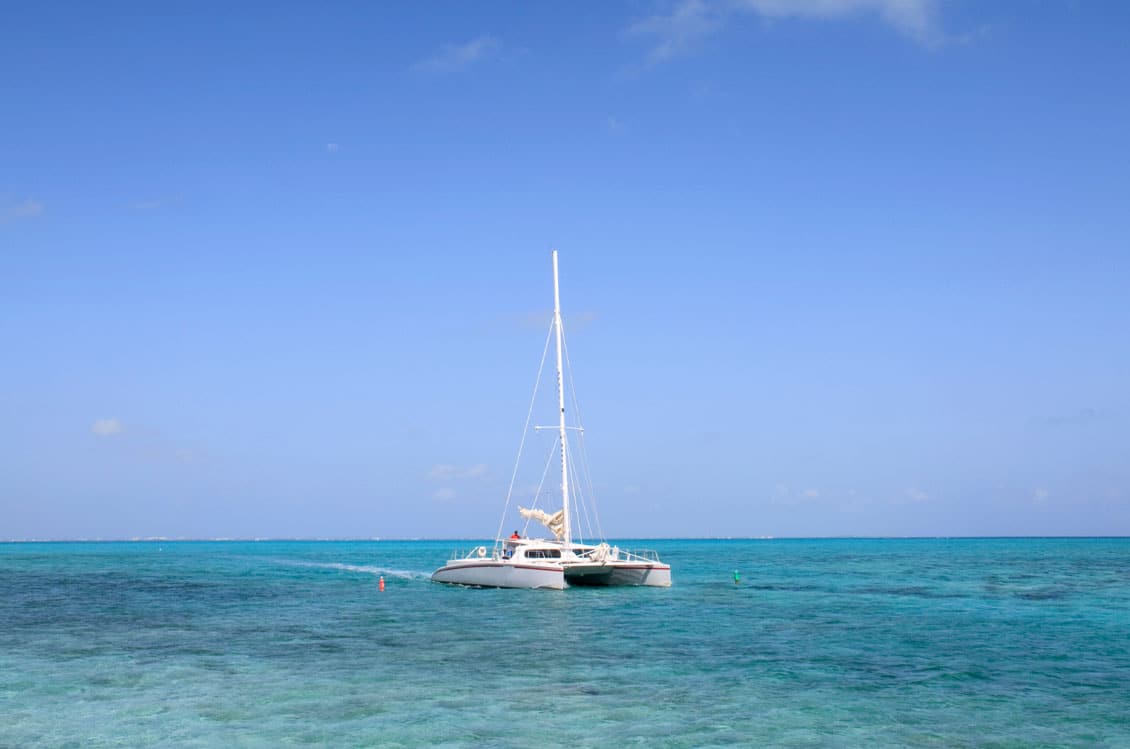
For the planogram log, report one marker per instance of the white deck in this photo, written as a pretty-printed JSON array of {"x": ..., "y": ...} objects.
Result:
[{"x": 527, "y": 563}]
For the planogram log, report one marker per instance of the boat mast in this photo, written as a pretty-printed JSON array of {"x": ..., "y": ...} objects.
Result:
[{"x": 568, "y": 536}]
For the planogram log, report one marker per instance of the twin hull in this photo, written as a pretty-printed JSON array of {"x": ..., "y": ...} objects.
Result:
[{"x": 491, "y": 573}]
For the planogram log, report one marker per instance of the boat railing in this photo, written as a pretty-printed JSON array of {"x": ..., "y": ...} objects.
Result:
[
  {"x": 485, "y": 552},
  {"x": 640, "y": 555},
  {"x": 475, "y": 552},
  {"x": 615, "y": 553}
]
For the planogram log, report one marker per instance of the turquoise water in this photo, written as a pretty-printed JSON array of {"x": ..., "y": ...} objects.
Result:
[{"x": 827, "y": 643}]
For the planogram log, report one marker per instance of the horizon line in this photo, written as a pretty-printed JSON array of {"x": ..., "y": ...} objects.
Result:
[{"x": 355, "y": 539}]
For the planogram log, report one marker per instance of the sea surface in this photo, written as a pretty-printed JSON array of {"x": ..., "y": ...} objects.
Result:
[{"x": 822, "y": 643}]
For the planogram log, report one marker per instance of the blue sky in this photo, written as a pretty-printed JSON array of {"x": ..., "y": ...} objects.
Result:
[{"x": 830, "y": 267}]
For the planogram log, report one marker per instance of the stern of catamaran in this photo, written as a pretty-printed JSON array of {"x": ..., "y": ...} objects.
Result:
[{"x": 609, "y": 565}]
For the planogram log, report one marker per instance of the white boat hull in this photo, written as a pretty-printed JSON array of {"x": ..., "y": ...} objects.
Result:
[
  {"x": 619, "y": 573},
  {"x": 492, "y": 573}
]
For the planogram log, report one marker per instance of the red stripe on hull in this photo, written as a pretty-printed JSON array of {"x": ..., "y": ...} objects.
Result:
[{"x": 500, "y": 567}]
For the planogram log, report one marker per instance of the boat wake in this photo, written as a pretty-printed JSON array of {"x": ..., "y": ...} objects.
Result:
[{"x": 360, "y": 568}]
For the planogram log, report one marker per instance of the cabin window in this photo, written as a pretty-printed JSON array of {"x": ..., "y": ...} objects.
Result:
[{"x": 543, "y": 553}]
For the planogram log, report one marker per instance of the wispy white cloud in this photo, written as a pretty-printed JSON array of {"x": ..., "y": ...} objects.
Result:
[
  {"x": 680, "y": 30},
  {"x": 333, "y": 147},
  {"x": 783, "y": 494},
  {"x": 447, "y": 472},
  {"x": 1040, "y": 497},
  {"x": 12, "y": 210},
  {"x": 455, "y": 58},
  {"x": 688, "y": 23},
  {"x": 106, "y": 427},
  {"x": 917, "y": 19},
  {"x": 147, "y": 445}
]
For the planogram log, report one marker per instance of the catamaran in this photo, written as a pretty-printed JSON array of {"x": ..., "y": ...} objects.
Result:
[{"x": 561, "y": 561}]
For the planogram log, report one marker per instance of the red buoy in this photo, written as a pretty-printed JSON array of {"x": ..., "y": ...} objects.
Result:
[{"x": 381, "y": 584}]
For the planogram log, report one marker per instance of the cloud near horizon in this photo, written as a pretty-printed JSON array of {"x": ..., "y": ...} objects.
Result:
[
  {"x": 455, "y": 58},
  {"x": 690, "y": 22},
  {"x": 915, "y": 495}
]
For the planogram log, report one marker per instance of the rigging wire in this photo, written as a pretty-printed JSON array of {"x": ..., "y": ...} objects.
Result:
[
  {"x": 522, "y": 443},
  {"x": 583, "y": 503},
  {"x": 579, "y": 470},
  {"x": 544, "y": 473},
  {"x": 584, "y": 450}
]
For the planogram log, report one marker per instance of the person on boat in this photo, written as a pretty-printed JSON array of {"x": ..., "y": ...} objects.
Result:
[{"x": 515, "y": 535}]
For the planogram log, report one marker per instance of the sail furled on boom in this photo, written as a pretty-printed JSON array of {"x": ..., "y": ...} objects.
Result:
[{"x": 555, "y": 522}]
